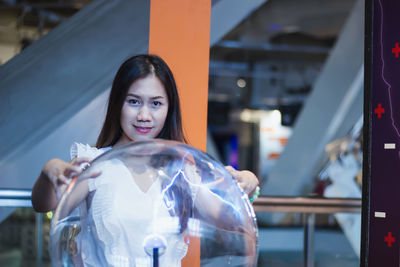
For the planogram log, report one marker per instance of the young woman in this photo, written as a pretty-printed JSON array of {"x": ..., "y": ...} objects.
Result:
[{"x": 143, "y": 105}]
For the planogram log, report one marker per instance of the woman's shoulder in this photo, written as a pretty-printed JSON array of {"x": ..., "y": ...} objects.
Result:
[{"x": 84, "y": 150}]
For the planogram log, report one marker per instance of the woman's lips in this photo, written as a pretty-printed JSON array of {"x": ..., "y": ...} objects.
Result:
[{"x": 143, "y": 130}]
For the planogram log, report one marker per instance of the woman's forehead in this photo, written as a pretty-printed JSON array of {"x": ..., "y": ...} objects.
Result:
[{"x": 150, "y": 86}]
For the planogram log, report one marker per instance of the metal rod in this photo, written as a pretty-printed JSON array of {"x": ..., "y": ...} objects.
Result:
[
  {"x": 272, "y": 47},
  {"x": 308, "y": 250},
  {"x": 15, "y": 193},
  {"x": 15, "y": 198},
  {"x": 307, "y": 205},
  {"x": 155, "y": 257},
  {"x": 39, "y": 239}
]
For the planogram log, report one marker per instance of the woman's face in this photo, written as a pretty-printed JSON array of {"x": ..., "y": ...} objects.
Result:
[{"x": 144, "y": 110}]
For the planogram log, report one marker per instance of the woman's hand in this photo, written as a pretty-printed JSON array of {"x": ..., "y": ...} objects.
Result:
[
  {"x": 246, "y": 179},
  {"x": 59, "y": 172},
  {"x": 52, "y": 182}
]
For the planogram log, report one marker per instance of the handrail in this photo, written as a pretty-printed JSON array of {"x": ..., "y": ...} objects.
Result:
[
  {"x": 22, "y": 198},
  {"x": 15, "y": 198},
  {"x": 307, "y": 204}
]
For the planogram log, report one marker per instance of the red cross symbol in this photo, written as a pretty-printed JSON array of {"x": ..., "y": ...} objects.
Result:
[
  {"x": 389, "y": 239},
  {"x": 379, "y": 110},
  {"x": 396, "y": 50}
]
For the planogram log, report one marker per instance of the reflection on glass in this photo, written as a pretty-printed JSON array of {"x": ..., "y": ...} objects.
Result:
[{"x": 144, "y": 202}]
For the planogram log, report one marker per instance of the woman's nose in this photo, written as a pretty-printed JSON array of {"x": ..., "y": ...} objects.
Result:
[{"x": 144, "y": 114}]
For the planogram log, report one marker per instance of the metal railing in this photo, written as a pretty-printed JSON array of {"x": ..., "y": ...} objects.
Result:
[
  {"x": 15, "y": 198},
  {"x": 309, "y": 206}
]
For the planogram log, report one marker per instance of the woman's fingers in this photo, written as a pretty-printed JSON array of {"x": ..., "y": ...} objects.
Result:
[
  {"x": 236, "y": 174},
  {"x": 75, "y": 168},
  {"x": 229, "y": 168},
  {"x": 79, "y": 161},
  {"x": 61, "y": 179},
  {"x": 247, "y": 188},
  {"x": 92, "y": 175},
  {"x": 72, "y": 171},
  {"x": 246, "y": 179}
]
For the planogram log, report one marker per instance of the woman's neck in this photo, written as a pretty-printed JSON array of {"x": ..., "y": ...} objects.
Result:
[{"x": 122, "y": 141}]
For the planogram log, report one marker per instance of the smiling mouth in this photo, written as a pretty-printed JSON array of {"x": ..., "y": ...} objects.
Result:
[{"x": 143, "y": 129}]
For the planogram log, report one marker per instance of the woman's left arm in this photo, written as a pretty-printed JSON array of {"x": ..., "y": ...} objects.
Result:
[
  {"x": 212, "y": 208},
  {"x": 246, "y": 179}
]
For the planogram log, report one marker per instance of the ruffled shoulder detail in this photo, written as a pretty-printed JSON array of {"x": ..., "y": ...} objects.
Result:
[{"x": 81, "y": 150}]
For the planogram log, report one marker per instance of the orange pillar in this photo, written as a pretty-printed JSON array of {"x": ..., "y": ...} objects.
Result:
[{"x": 180, "y": 34}]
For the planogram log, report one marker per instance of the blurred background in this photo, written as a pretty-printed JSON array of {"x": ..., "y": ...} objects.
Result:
[{"x": 285, "y": 100}]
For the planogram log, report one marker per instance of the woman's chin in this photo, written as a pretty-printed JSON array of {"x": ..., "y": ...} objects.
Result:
[{"x": 143, "y": 137}]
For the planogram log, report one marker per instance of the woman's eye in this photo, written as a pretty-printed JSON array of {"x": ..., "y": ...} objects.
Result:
[
  {"x": 133, "y": 101},
  {"x": 157, "y": 103}
]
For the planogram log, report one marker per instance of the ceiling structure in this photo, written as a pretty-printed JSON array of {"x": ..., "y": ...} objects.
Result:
[
  {"x": 279, "y": 29},
  {"x": 279, "y": 41},
  {"x": 277, "y": 51}
]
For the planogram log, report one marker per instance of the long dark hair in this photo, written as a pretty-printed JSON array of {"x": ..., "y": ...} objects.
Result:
[
  {"x": 179, "y": 191},
  {"x": 134, "y": 68}
]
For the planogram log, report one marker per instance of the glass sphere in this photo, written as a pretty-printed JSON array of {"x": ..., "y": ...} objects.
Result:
[{"x": 144, "y": 203}]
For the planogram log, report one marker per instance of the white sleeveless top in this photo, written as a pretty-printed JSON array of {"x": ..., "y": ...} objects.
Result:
[{"x": 118, "y": 219}]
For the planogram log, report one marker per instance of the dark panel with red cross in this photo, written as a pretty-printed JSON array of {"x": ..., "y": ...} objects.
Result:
[{"x": 381, "y": 188}]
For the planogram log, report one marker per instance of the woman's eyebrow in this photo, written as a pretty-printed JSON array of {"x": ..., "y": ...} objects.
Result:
[
  {"x": 130, "y": 94},
  {"x": 138, "y": 96}
]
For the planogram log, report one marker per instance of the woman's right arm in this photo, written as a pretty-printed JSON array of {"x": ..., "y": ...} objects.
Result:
[{"x": 52, "y": 182}]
